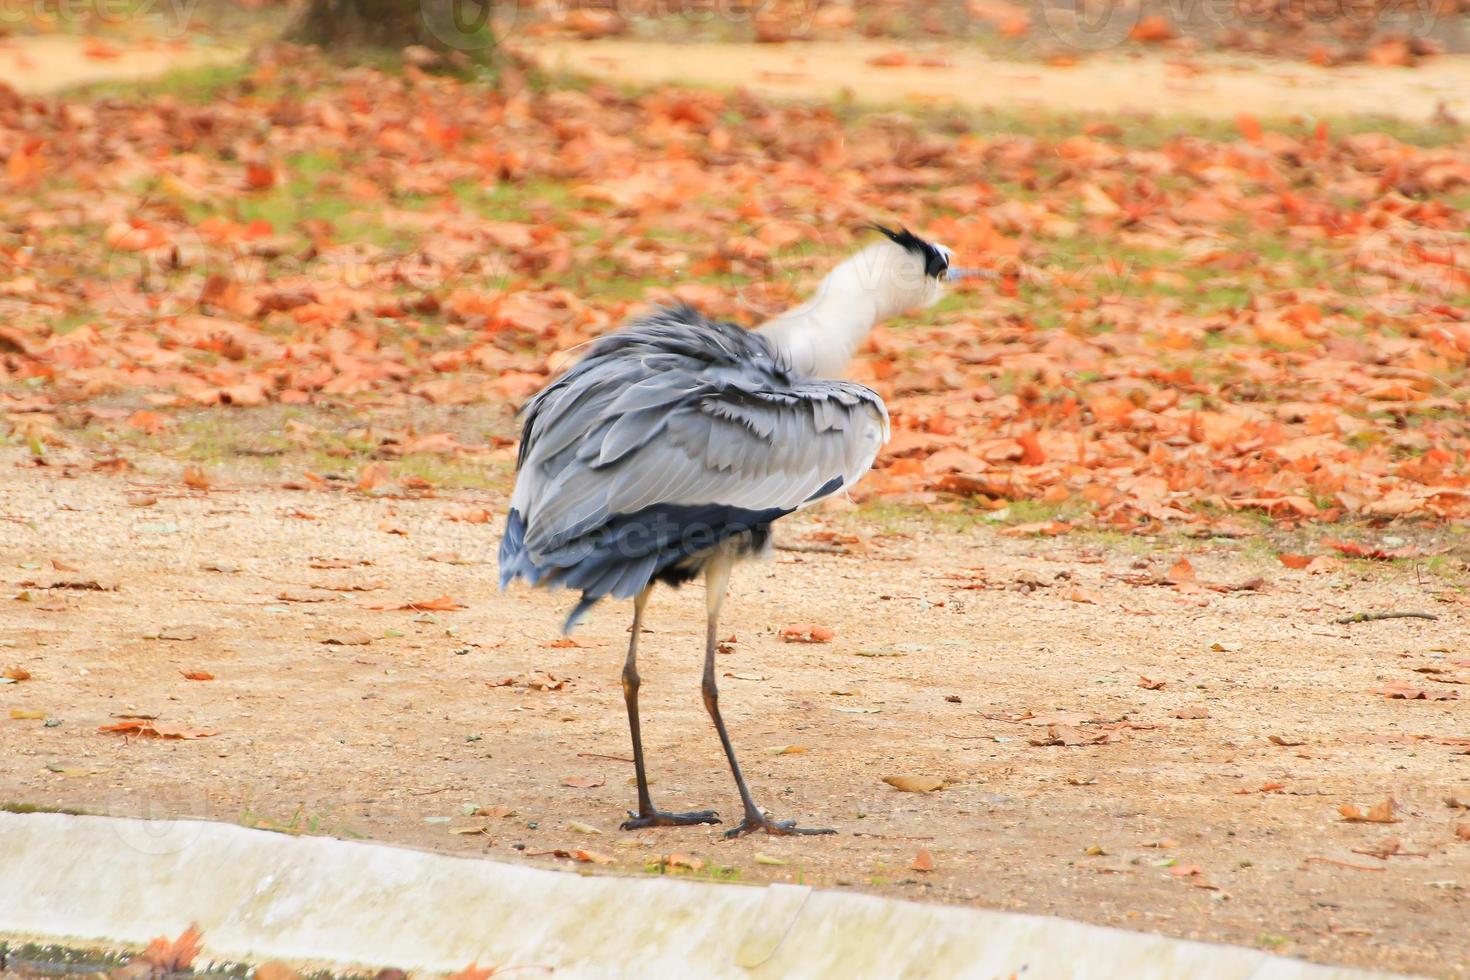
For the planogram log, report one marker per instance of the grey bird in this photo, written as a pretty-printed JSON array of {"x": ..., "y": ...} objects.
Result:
[{"x": 670, "y": 447}]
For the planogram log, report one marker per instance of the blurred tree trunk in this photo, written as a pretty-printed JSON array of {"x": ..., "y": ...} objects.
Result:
[{"x": 440, "y": 25}]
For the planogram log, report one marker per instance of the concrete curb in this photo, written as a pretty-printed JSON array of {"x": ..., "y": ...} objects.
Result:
[{"x": 259, "y": 895}]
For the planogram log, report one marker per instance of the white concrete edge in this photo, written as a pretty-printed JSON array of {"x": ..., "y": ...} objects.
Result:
[{"x": 258, "y": 895}]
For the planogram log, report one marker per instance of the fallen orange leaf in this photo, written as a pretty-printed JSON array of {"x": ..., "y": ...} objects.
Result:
[
  {"x": 442, "y": 603},
  {"x": 806, "y": 633},
  {"x": 146, "y": 727},
  {"x": 174, "y": 956},
  {"x": 1382, "y": 812}
]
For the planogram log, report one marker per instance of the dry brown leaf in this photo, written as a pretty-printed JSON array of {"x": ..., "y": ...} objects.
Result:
[
  {"x": 677, "y": 860},
  {"x": 441, "y": 603},
  {"x": 174, "y": 956},
  {"x": 302, "y": 595},
  {"x": 588, "y": 857},
  {"x": 1398, "y": 690},
  {"x": 1270, "y": 786},
  {"x": 472, "y": 972},
  {"x": 915, "y": 784},
  {"x": 806, "y": 633},
  {"x": 147, "y": 728},
  {"x": 1338, "y": 863},
  {"x": 1382, "y": 812},
  {"x": 1153, "y": 28},
  {"x": 582, "y": 782},
  {"x": 1353, "y": 549},
  {"x": 500, "y": 810},
  {"x": 1043, "y": 528},
  {"x": 350, "y": 638},
  {"x": 1069, "y": 735},
  {"x": 275, "y": 970}
]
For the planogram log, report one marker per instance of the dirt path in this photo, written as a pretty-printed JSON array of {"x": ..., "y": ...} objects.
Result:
[
  {"x": 941, "y": 637},
  {"x": 1208, "y": 85},
  {"x": 51, "y": 63},
  {"x": 1218, "y": 86}
]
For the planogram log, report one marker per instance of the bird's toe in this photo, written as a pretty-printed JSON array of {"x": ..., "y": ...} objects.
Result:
[
  {"x": 658, "y": 818},
  {"x": 777, "y": 828}
]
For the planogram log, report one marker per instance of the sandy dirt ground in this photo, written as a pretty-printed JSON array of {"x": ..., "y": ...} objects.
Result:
[
  {"x": 1222, "y": 731},
  {"x": 1213, "y": 86}
]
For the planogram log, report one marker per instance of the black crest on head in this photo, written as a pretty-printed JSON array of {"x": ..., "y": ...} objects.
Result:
[{"x": 935, "y": 261}]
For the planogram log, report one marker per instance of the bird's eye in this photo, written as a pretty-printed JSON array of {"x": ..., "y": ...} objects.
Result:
[{"x": 938, "y": 262}]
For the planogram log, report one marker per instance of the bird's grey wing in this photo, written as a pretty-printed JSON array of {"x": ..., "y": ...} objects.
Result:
[
  {"x": 747, "y": 443},
  {"x": 610, "y": 406},
  {"x": 757, "y": 450}
]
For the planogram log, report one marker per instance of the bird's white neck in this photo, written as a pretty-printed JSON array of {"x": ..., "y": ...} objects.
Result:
[{"x": 820, "y": 336}]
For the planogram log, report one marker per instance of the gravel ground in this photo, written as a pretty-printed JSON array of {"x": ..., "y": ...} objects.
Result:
[{"x": 1220, "y": 731}]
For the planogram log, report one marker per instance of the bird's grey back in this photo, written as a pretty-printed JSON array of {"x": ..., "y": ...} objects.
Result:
[{"x": 675, "y": 419}]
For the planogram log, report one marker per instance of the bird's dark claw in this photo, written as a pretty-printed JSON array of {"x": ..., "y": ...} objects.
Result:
[
  {"x": 657, "y": 818},
  {"x": 778, "y": 828}
]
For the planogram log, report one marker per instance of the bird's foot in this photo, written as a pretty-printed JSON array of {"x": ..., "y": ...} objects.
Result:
[
  {"x": 778, "y": 828},
  {"x": 657, "y": 818}
]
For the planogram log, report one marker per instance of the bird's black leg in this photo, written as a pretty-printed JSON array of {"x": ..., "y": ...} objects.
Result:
[
  {"x": 647, "y": 816},
  {"x": 716, "y": 579}
]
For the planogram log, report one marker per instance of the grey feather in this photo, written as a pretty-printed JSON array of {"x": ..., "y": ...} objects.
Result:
[{"x": 675, "y": 411}]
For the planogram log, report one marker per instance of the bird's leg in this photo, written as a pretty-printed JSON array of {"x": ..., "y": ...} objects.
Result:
[
  {"x": 716, "y": 579},
  {"x": 647, "y": 816}
]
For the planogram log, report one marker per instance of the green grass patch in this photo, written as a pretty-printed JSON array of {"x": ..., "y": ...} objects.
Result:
[
  {"x": 301, "y": 823},
  {"x": 71, "y": 811},
  {"x": 195, "y": 85}
]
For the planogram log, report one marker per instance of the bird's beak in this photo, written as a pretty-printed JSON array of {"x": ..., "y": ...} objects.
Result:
[{"x": 954, "y": 274}]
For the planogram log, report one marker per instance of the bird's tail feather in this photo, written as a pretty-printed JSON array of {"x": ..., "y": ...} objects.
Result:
[
  {"x": 514, "y": 562},
  {"x": 578, "y": 611},
  {"x": 605, "y": 574}
]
